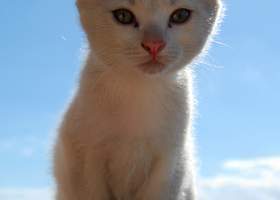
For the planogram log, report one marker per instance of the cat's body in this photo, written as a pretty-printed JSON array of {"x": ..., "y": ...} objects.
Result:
[{"x": 127, "y": 132}]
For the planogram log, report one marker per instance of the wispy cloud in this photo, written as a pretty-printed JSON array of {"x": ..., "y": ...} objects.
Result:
[
  {"x": 26, "y": 194},
  {"x": 253, "y": 179},
  {"x": 24, "y": 146}
]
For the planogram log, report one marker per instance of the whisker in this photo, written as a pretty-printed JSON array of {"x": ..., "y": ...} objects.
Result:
[{"x": 221, "y": 43}]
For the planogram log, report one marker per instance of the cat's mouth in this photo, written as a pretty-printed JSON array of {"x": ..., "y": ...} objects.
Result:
[{"x": 152, "y": 66}]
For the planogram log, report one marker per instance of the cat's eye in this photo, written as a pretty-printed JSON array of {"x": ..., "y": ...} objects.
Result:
[
  {"x": 180, "y": 16},
  {"x": 125, "y": 17}
]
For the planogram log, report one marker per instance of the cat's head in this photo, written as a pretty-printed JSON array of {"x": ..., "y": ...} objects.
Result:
[{"x": 149, "y": 35}]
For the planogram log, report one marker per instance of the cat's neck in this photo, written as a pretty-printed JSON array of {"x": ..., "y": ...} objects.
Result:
[
  {"x": 96, "y": 72},
  {"x": 114, "y": 84}
]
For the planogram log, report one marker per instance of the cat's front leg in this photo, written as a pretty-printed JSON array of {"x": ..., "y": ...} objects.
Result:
[
  {"x": 96, "y": 186},
  {"x": 79, "y": 178},
  {"x": 162, "y": 184}
]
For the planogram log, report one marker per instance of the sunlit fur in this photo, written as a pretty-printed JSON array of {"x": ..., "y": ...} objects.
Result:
[{"x": 127, "y": 132}]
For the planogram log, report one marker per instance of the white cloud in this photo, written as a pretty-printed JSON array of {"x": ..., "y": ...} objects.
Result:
[
  {"x": 26, "y": 194},
  {"x": 24, "y": 146},
  {"x": 254, "y": 179},
  {"x": 27, "y": 151}
]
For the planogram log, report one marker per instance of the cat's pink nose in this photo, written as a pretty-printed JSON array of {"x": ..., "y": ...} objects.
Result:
[{"x": 153, "y": 47}]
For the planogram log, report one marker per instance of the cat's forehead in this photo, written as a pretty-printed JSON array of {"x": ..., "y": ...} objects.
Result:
[{"x": 153, "y": 3}]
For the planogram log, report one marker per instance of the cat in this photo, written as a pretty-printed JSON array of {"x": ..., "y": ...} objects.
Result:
[{"x": 127, "y": 132}]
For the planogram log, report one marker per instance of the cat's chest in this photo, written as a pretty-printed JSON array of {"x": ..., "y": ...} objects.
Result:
[
  {"x": 134, "y": 113},
  {"x": 129, "y": 166},
  {"x": 122, "y": 111},
  {"x": 133, "y": 126}
]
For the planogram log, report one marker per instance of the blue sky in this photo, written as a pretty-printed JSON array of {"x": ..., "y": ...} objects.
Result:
[{"x": 237, "y": 88}]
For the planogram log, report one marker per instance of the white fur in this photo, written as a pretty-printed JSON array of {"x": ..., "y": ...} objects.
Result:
[{"x": 127, "y": 133}]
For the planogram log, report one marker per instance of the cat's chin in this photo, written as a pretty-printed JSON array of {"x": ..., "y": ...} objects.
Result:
[{"x": 152, "y": 67}]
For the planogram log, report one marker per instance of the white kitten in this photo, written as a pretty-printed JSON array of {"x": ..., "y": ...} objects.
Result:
[{"x": 127, "y": 133}]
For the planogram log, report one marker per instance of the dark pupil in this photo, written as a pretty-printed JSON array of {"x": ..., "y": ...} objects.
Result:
[
  {"x": 124, "y": 17},
  {"x": 180, "y": 16}
]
